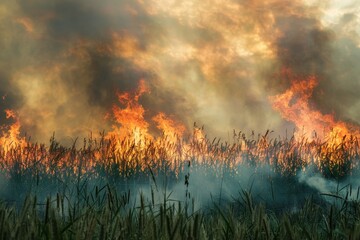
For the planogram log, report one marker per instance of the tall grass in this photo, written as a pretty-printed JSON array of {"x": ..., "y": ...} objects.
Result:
[
  {"x": 85, "y": 192},
  {"x": 123, "y": 158},
  {"x": 106, "y": 214}
]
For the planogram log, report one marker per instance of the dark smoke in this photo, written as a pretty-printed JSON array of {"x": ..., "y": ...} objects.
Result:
[{"x": 63, "y": 61}]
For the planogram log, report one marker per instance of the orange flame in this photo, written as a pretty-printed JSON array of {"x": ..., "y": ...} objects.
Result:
[
  {"x": 294, "y": 106},
  {"x": 10, "y": 135},
  {"x": 130, "y": 148},
  {"x": 171, "y": 129},
  {"x": 133, "y": 125},
  {"x": 131, "y": 118}
]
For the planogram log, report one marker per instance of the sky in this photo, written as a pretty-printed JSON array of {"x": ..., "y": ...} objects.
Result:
[{"x": 213, "y": 62}]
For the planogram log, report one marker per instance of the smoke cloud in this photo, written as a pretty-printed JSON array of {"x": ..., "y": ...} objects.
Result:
[{"x": 213, "y": 62}]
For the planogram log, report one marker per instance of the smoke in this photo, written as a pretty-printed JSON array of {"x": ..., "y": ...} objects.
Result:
[
  {"x": 331, "y": 190},
  {"x": 207, "y": 186},
  {"x": 210, "y": 62},
  {"x": 221, "y": 186}
]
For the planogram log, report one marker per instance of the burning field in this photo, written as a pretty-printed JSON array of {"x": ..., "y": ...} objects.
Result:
[{"x": 180, "y": 119}]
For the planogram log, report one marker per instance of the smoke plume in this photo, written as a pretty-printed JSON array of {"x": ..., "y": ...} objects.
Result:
[{"x": 211, "y": 62}]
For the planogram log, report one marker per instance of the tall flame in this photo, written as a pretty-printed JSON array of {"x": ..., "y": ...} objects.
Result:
[
  {"x": 170, "y": 128},
  {"x": 10, "y": 135},
  {"x": 294, "y": 105},
  {"x": 131, "y": 118},
  {"x": 132, "y": 145},
  {"x": 133, "y": 125}
]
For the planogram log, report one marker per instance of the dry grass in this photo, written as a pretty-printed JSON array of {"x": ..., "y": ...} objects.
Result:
[
  {"x": 85, "y": 201},
  {"x": 126, "y": 157}
]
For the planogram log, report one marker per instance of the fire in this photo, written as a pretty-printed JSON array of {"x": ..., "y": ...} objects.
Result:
[
  {"x": 137, "y": 147},
  {"x": 132, "y": 147},
  {"x": 294, "y": 105},
  {"x": 171, "y": 129},
  {"x": 10, "y": 135},
  {"x": 132, "y": 124},
  {"x": 327, "y": 141},
  {"x": 131, "y": 118}
]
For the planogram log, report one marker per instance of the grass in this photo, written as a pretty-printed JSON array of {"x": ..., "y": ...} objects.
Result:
[
  {"x": 106, "y": 214},
  {"x": 117, "y": 189}
]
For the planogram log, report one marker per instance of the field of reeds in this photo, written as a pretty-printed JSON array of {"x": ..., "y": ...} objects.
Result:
[{"x": 252, "y": 187}]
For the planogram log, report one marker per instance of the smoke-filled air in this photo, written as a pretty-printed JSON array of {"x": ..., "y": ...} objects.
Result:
[{"x": 206, "y": 113}]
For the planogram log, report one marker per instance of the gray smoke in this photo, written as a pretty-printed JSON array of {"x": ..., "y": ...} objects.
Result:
[{"x": 63, "y": 61}]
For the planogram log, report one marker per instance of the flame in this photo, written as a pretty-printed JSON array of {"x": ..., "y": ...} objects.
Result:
[
  {"x": 131, "y": 123},
  {"x": 131, "y": 148},
  {"x": 131, "y": 118},
  {"x": 10, "y": 135},
  {"x": 333, "y": 138},
  {"x": 294, "y": 105},
  {"x": 171, "y": 129}
]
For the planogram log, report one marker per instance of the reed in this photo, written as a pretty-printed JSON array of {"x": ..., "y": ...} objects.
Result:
[{"x": 87, "y": 192}]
